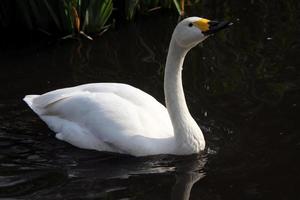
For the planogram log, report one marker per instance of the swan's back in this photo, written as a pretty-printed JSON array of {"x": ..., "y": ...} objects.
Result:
[{"x": 104, "y": 116}]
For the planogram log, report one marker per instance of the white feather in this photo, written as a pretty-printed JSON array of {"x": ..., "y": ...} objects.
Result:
[{"x": 104, "y": 116}]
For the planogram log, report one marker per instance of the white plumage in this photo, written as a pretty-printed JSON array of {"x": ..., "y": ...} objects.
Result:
[
  {"x": 120, "y": 118},
  {"x": 106, "y": 117}
]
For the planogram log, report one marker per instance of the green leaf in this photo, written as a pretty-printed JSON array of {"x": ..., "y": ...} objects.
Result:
[
  {"x": 97, "y": 15},
  {"x": 130, "y": 7},
  {"x": 177, "y": 5}
]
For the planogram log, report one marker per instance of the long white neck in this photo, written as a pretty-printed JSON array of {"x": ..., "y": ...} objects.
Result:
[{"x": 188, "y": 136}]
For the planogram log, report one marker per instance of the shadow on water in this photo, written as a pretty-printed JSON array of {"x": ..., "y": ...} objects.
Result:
[{"x": 242, "y": 86}]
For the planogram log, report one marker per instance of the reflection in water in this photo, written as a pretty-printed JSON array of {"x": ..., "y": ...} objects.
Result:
[
  {"x": 186, "y": 177},
  {"x": 142, "y": 178}
]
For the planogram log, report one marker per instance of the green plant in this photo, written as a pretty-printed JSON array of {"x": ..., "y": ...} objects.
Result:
[
  {"x": 132, "y": 6},
  {"x": 73, "y": 16}
]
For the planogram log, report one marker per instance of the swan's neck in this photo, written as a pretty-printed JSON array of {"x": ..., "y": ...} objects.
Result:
[{"x": 189, "y": 138}]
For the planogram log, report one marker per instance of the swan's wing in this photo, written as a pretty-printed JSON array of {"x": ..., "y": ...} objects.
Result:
[{"x": 103, "y": 114}]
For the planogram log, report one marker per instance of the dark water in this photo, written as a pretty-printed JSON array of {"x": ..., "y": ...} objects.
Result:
[{"x": 242, "y": 87}]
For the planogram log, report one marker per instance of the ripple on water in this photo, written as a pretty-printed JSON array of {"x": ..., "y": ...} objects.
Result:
[{"x": 29, "y": 182}]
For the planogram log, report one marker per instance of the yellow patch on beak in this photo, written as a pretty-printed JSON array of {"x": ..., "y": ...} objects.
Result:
[{"x": 202, "y": 24}]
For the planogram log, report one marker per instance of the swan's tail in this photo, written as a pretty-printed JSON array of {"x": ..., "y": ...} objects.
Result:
[{"x": 29, "y": 99}]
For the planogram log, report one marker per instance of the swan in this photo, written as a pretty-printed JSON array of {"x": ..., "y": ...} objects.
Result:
[{"x": 119, "y": 118}]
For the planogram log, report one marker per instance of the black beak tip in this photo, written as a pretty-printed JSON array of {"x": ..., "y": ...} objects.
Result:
[
  {"x": 222, "y": 25},
  {"x": 217, "y": 26}
]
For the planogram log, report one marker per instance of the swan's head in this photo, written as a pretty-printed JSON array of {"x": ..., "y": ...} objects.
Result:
[{"x": 193, "y": 30}]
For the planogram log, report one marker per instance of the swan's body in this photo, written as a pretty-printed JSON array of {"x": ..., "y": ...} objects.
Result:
[
  {"x": 106, "y": 117},
  {"x": 120, "y": 118}
]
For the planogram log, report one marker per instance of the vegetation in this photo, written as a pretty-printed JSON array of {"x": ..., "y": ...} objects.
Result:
[{"x": 75, "y": 16}]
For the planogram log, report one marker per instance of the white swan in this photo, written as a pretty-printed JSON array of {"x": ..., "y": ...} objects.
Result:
[{"x": 120, "y": 118}]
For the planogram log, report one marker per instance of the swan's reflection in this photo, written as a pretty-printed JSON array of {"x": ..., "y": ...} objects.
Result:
[
  {"x": 159, "y": 171},
  {"x": 117, "y": 177},
  {"x": 188, "y": 173}
]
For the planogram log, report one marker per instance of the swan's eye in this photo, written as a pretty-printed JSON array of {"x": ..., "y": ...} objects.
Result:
[{"x": 190, "y": 24}]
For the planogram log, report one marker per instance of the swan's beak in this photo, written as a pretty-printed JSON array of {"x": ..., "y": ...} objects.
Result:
[{"x": 209, "y": 27}]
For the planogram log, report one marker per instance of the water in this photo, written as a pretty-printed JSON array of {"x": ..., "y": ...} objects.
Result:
[{"x": 242, "y": 87}]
